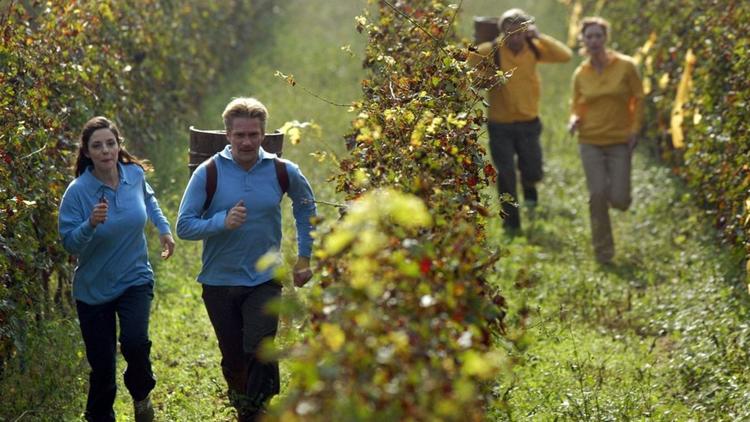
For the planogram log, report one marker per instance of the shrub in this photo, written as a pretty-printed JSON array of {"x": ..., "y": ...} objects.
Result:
[
  {"x": 141, "y": 62},
  {"x": 403, "y": 321}
]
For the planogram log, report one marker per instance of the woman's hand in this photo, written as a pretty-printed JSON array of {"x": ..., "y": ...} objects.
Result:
[
  {"x": 302, "y": 271},
  {"x": 99, "y": 213},
  {"x": 573, "y": 124},
  {"x": 632, "y": 142},
  {"x": 167, "y": 245}
]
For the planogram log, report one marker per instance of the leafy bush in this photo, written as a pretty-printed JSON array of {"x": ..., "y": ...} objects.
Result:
[
  {"x": 403, "y": 321},
  {"x": 141, "y": 62}
]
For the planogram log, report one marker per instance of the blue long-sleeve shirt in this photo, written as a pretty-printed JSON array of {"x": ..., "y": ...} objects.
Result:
[
  {"x": 230, "y": 256},
  {"x": 113, "y": 256}
]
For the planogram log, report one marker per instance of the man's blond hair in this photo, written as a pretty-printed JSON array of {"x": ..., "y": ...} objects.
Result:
[{"x": 244, "y": 107}]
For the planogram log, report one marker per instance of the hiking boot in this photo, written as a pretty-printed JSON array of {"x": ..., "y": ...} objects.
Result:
[
  {"x": 144, "y": 410},
  {"x": 530, "y": 197},
  {"x": 244, "y": 415}
]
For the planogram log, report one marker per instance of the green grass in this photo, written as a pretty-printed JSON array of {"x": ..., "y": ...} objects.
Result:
[{"x": 661, "y": 335}]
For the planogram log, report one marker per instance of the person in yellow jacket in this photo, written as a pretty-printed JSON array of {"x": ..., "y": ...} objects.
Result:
[
  {"x": 513, "y": 117},
  {"x": 607, "y": 113}
]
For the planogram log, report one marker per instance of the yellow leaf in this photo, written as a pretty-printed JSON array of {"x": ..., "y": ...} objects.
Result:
[
  {"x": 664, "y": 81},
  {"x": 294, "y": 135},
  {"x": 268, "y": 260},
  {"x": 337, "y": 241},
  {"x": 697, "y": 117},
  {"x": 333, "y": 336},
  {"x": 362, "y": 270},
  {"x": 484, "y": 366},
  {"x": 683, "y": 94},
  {"x": 361, "y": 178}
]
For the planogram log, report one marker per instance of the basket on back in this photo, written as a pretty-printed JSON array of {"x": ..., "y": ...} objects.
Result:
[
  {"x": 485, "y": 29},
  {"x": 205, "y": 143}
]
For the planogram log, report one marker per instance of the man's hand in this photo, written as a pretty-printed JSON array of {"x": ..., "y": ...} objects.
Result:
[
  {"x": 573, "y": 124},
  {"x": 532, "y": 31},
  {"x": 167, "y": 245},
  {"x": 99, "y": 213},
  {"x": 236, "y": 216},
  {"x": 302, "y": 271}
]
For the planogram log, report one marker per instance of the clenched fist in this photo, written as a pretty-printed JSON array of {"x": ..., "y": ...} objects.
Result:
[
  {"x": 99, "y": 213},
  {"x": 236, "y": 216}
]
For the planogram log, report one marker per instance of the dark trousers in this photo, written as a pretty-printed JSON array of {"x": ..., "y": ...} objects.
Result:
[
  {"x": 99, "y": 330},
  {"x": 508, "y": 140},
  {"x": 242, "y": 321}
]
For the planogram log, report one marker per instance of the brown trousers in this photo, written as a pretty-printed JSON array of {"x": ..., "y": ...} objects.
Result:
[{"x": 607, "y": 171}]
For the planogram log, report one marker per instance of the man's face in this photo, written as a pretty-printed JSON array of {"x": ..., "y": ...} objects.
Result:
[
  {"x": 515, "y": 36},
  {"x": 245, "y": 137}
]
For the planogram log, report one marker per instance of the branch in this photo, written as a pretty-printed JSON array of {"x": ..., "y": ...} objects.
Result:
[
  {"x": 24, "y": 414},
  {"x": 35, "y": 152},
  {"x": 325, "y": 99}
]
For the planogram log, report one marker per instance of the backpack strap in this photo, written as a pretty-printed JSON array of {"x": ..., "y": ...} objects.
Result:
[
  {"x": 496, "y": 52},
  {"x": 211, "y": 176},
  {"x": 282, "y": 176}
]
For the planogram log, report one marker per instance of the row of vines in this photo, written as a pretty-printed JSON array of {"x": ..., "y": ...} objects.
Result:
[
  {"x": 141, "y": 62},
  {"x": 403, "y": 325},
  {"x": 695, "y": 56}
]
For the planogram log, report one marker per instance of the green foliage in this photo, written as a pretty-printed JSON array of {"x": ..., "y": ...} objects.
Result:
[
  {"x": 716, "y": 157},
  {"x": 142, "y": 63},
  {"x": 403, "y": 321}
]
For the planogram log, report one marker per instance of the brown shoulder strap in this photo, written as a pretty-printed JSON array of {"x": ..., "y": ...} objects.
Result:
[
  {"x": 211, "y": 175},
  {"x": 496, "y": 52},
  {"x": 211, "y": 178},
  {"x": 281, "y": 175}
]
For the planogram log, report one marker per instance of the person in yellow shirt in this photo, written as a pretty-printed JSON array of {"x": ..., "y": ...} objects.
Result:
[
  {"x": 513, "y": 117},
  {"x": 607, "y": 114}
]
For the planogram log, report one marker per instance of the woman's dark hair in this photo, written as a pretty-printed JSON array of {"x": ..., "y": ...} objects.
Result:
[{"x": 96, "y": 123}]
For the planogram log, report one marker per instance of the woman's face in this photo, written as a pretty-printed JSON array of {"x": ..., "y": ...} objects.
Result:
[
  {"x": 594, "y": 39},
  {"x": 103, "y": 150}
]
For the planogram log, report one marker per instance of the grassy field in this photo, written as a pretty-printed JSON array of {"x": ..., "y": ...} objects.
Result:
[{"x": 661, "y": 335}]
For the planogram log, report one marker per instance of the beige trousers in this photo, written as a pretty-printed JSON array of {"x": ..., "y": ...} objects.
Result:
[{"x": 607, "y": 171}]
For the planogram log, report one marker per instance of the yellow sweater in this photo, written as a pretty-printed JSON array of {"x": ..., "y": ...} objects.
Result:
[
  {"x": 609, "y": 104},
  {"x": 518, "y": 99}
]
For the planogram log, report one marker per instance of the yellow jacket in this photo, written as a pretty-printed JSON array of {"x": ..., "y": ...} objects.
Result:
[
  {"x": 608, "y": 104},
  {"x": 518, "y": 99}
]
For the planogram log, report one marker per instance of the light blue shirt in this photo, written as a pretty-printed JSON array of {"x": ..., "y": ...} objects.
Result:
[
  {"x": 113, "y": 256},
  {"x": 230, "y": 256}
]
